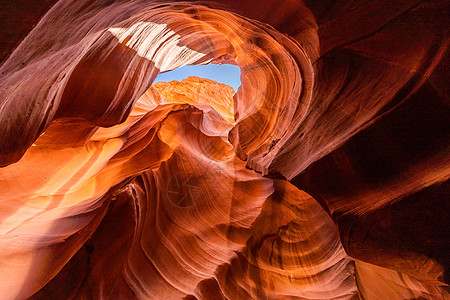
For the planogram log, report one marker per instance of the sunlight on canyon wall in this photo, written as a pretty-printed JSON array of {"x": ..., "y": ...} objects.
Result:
[{"x": 325, "y": 176}]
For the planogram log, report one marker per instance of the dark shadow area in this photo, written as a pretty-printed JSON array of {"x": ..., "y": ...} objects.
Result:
[
  {"x": 409, "y": 140},
  {"x": 18, "y": 18}
]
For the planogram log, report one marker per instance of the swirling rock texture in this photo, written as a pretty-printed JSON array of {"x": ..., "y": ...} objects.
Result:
[{"x": 324, "y": 177}]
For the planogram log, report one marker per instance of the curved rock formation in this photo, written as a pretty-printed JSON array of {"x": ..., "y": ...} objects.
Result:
[{"x": 324, "y": 177}]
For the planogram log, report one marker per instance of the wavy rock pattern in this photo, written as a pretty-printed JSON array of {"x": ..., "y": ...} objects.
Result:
[{"x": 324, "y": 177}]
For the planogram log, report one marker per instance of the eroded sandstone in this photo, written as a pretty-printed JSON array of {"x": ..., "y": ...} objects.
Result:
[{"x": 324, "y": 177}]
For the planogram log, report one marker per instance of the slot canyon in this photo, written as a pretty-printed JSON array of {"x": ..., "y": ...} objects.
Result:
[{"x": 324, "y": 176}]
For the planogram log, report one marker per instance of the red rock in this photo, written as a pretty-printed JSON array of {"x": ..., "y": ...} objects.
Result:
[{"x": 324, "y": 177}]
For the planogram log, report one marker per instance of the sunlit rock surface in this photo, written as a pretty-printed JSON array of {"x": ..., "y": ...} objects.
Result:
[
  {"x": 194, "y": 90},
  {"x": 324, "y": 177}
]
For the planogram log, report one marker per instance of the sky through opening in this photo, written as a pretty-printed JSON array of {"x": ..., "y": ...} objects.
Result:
[{"x": 227, "y": 74}]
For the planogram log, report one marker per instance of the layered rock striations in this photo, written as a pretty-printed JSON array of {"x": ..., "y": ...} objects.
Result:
[
  {"x": 325, "y": 176},
  {"x": 194, "y": 90}
]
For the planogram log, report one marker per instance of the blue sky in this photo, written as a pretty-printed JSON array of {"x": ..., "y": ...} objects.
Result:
[{"x": 227, "y": 74}]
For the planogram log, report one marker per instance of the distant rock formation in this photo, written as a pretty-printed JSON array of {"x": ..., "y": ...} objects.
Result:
[
  {"x": 197, "y": 90},
  {"x": 325, "y": 176}
]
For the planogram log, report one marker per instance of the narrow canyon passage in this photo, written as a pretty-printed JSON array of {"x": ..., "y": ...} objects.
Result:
[
  {"x": 201, "y": 201},
  {"x": 324, "y": 175}
]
